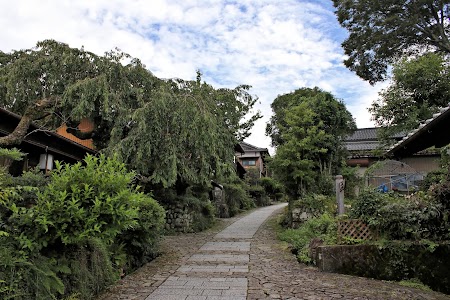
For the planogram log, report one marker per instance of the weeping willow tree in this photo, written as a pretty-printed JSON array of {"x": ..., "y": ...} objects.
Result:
[{"x": 170, "y": 131}]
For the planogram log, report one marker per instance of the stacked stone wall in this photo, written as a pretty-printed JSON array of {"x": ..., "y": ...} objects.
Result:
[{"x": 179, "y": 218}]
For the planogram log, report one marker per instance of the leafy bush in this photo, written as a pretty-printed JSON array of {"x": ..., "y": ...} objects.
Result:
[
  {"x": 237, "y": 197},
  {"x": 82, "y": 202},
  {"x": 411, "y": 219},
  {"x": 27, "y": 278},
  {"x": 415, "y": 217},
  {"x": 323, "y": 227},
  {"x": 259, "y": 195},
  {"x": 316, "y": 204},
  {"x": 90, "y": 268},
  {"x": 273, "y": 188},
  {"x": 75, "y": 231},
  {"x": 140, "y": 243},
  {"x": 433, "y": 178},
  {"x": 368, "y": 204}
]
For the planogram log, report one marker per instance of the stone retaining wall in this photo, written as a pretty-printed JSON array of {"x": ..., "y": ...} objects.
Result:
[
  {"x": 179, "y": 218},
  {"x": 393, "y": 262}
]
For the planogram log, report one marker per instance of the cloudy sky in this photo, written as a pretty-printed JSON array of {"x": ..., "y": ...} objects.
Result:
[{"x": 276, "y": 46}]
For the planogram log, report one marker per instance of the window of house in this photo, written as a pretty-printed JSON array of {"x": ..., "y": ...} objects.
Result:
[{"x": 249, "y": 162}]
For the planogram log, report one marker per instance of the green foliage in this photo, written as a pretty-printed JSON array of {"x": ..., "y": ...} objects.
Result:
[
  {"x": 411, "y": 219},
  {"x": 402, "y": 218},
  {"x": 13, "y": 154},
  {"x": 352, "y": 181},
  {"x": 272, "y": 187},
  {"x": 317, "y": 204},
  {"x": 6, "y": 157},
  {"x": 438, "y": 178},
  {"x": 172, "y": 132},
  {"x": 323, "y": 227},
  {"x": 81, "y": 202},
  {"x": 381, "y": 31},
  {"x": 86, "y": 224},
  {"x": 308, "y": 128},
  {"x": 259, "y": 196},
  {"x": 433, "y": 178},
  {"x": 195, "y": 202},
  {"x": 237, "y": 197},
  {"x": 419, "y": 87},
  {"x": 90, "y": 269},
  {"x": 22, "y": 278},
  {"x": 140, "y": 243},
  {"x": 415, "y": 283},
  {"x": 367, "y": 205}
]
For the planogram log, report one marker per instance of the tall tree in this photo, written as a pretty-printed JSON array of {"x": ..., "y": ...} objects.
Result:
[
  {"x": 308, "y": 127},
  {"x": 383, "y": 30},
  {"x": 419, "y": 87},
  {"x": 170, "y": 131}
]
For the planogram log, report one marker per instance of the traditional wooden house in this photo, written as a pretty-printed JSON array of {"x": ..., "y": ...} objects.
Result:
[
  {"x": 42, "y": 147},
  {"x": 253, "y": 158},
  {"x": 412, "y": 156}
]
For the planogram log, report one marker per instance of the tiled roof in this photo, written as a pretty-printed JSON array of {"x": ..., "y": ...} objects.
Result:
[
  {"x": 363, "y": 134},
  {"x": 362, "y": 145},
  {"x": 365, "y": 139},
  {"x": 432, "y": 132},
  {"x": 248, "y": 147}
]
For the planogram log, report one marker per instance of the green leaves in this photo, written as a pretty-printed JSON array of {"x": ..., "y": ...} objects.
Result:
[
  {"x": 169, "y": 131},
  {"x": 419, "y": 87},
  {"x": 383, "y": 30},
  {"x": 308, "y": 127}
]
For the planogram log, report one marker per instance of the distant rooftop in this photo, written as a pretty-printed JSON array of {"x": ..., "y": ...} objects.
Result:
[
  {"x": 365, "y": 139},
  {"x": 248, "y": 147}
]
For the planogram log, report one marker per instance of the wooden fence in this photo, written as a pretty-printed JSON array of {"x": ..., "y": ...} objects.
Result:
[{"x": 354, "y": 229}]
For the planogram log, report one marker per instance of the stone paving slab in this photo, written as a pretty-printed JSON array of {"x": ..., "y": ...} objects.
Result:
[
  {"x": 232, "y": 258},
  {"x": 212, "y": 269},
  {"x": 201, "y": 288},
  {"x": 246, "y": 228},
  {"x": 226, "y": 246}
]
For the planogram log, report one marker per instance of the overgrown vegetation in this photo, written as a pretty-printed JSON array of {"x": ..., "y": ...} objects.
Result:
[
  {"x": 322, "y": 227},
  {"x": 75, "y": 232}
]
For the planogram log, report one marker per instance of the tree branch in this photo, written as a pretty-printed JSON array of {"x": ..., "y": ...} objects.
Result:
[{"x": 33, "y": 112}]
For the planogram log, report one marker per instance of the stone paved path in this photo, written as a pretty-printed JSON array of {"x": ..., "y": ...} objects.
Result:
[{"x": 244, "y": 260}]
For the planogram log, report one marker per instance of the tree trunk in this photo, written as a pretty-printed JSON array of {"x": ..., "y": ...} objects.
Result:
[{"x": 33, "y": 112}]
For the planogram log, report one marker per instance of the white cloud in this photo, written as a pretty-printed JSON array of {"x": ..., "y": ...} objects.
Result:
[{"x": 274, "y": 46}]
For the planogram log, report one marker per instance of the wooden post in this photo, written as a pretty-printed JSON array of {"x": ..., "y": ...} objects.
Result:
[{"x": 340, "y": 185}]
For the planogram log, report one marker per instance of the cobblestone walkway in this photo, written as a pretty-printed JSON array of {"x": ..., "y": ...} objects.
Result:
[{"x": 240, "y": 259}]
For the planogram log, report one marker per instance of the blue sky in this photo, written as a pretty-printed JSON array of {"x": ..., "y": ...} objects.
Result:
[{"x": 276, "y": 46}]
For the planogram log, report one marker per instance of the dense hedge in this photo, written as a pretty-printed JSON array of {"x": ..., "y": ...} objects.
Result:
[{"x": 77, "y": 233}]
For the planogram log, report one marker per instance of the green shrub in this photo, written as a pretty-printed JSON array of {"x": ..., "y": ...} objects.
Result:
[
  {"x": 140, "y": 243},
  {"x": 415, "y": 283},
  {"x": 273, "y": 188},
  {"x": 27, "y": 278},
  {"x": 316, "y": 204},
  {"x": 323, "y": 227},
  {"x": 433, "y": 178},
  {"x": 366, "y": 207},
  {"x": 414, "y": 218},
  {"x": 237, "y": 197},
  {"x": 85, "y": 226},
  {"x": 82, "y": 202},
  {"x": 90, "y": 268},
  {"x": 259, "y": 195}
]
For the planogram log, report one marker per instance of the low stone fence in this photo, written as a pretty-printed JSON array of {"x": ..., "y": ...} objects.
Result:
[
  {"x": 396, "y": 261},
  {"x": 300, "y": 215},
  {"x": 179, "y": 218}
]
